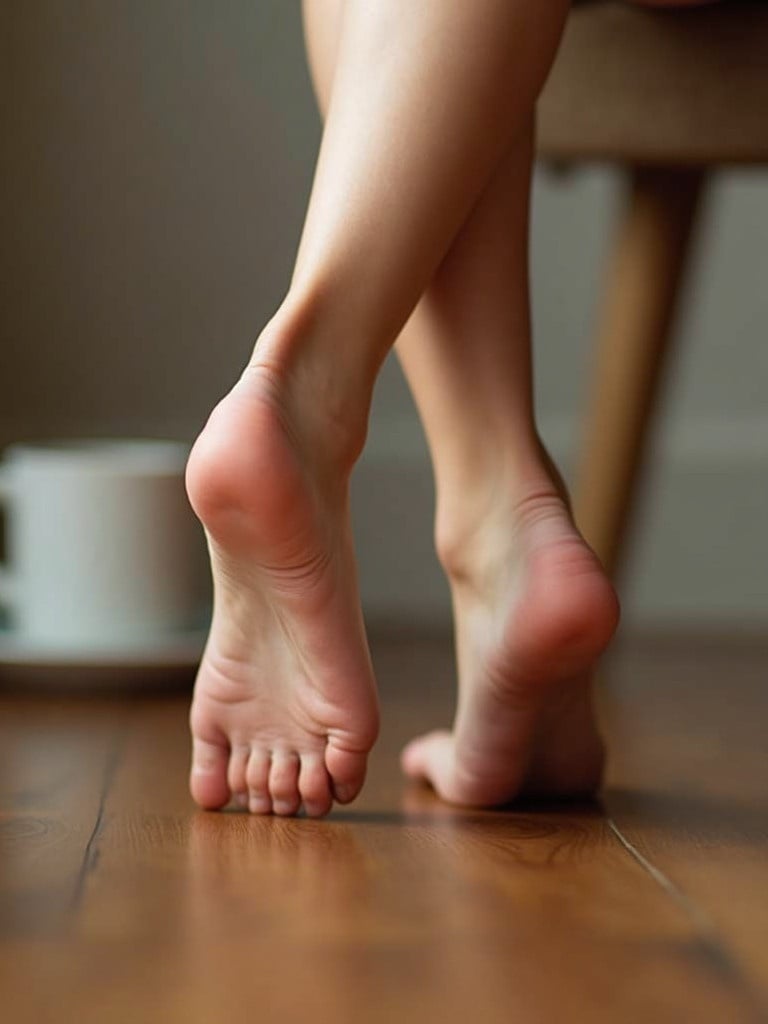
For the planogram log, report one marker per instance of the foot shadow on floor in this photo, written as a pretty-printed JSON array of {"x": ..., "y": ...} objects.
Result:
[{"x": 420, "y": 807}]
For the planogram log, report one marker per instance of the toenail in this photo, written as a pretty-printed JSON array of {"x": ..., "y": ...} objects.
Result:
[
  {"x": 315, "y": 810},
  {"x": 345, "y": 793}
]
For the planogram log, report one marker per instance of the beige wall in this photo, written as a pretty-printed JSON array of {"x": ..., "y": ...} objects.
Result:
[{"x": 156, "y": 160}]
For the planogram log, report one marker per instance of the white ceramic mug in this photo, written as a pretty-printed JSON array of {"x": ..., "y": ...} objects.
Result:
[{"x": 102, "y": 547}]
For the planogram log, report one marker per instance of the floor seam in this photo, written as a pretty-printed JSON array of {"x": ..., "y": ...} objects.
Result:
[
  {"x": 90, "y": 853},
  {"x": 716, "y": 948},
  {"x": 698, "y": 916}
]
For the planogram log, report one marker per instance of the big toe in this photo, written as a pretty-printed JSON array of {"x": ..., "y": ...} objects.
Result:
[
  {"x": 347, "y": 771},
  {"x": 430, "y": 757},
  {"x": 479, "y": 783},
  {"x": 208, "y": 777}
]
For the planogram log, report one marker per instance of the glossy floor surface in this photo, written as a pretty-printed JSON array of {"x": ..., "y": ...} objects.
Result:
[{"x": 121, "y": 902}]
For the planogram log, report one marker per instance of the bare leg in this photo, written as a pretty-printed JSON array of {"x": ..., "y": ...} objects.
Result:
[
  {"x": 285, "y": 707},
  {"x": 532, "y": 606}
]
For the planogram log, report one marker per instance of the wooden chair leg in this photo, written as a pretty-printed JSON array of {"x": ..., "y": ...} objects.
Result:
[{"x": 647, "y": 268}]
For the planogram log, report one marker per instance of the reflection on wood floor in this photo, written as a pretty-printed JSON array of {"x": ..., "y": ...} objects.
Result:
[{"x": 120, "y": 902}]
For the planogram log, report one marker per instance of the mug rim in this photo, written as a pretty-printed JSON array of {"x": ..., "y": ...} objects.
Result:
[{"x": 107, "y": 454}]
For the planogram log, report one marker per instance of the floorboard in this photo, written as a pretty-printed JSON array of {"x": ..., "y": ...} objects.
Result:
[
  {"x": 121, "y": 902},
  {"x": 688, "y": 781}
]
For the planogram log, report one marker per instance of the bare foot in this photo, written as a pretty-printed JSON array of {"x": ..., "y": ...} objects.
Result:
[
  {"x": 285, "y": 708},
  {"x": 533, "y": 611}
]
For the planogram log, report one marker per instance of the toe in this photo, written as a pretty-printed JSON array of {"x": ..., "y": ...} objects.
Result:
[
  {"x": 477, "y": 783},
  {"x": 257, "y": 781},
  {"x": 430, "y": 757},
  {"x": 284, "y": 782},
  {"x": 208, "y": 778},
  {"x": 238, "y": 762},
  {"x": 314, "y": 785},
  {"x": 347, "y": 771}
]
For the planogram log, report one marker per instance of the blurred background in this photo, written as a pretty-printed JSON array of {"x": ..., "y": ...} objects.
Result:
[{"x": 157, "y": 158}]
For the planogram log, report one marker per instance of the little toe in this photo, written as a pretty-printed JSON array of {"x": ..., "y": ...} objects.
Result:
[
  {"x": 314, "y": 786},
  {"x": 238, "y": 762},
  {"x": 208, "y": 777},
  {"x": 347, "y": 771},
  {"x": 257, "y": 781},
  {"x": 284, "y": 783}
]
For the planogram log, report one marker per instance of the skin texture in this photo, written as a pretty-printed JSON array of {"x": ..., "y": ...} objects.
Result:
[
  {"x": 420, "y": 197},
  {"x": 466, "y": 353}
]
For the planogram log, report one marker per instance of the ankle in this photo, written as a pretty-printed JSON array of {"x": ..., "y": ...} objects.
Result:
[
  {"x": 319, "y": 382},
  {"x": 474, "y": 529}
]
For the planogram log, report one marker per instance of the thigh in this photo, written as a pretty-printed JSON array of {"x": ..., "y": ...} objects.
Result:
[{"x": 322, "y": 27}]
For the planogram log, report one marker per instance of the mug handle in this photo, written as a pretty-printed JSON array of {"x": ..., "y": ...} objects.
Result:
[{"x": 6, "y": 583}]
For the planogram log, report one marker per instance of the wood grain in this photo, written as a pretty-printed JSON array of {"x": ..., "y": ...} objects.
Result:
[
  {"x": 121, "y": 902},
  {"x": 668, "y": 87},
  {"x": 689, "y": 780}
]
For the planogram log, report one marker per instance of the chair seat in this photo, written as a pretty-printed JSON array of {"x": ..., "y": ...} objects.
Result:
[{"x": 681, "y": 87}]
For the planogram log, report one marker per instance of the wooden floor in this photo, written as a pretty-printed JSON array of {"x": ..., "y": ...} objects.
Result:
[{"x": 120, "y": 902}]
